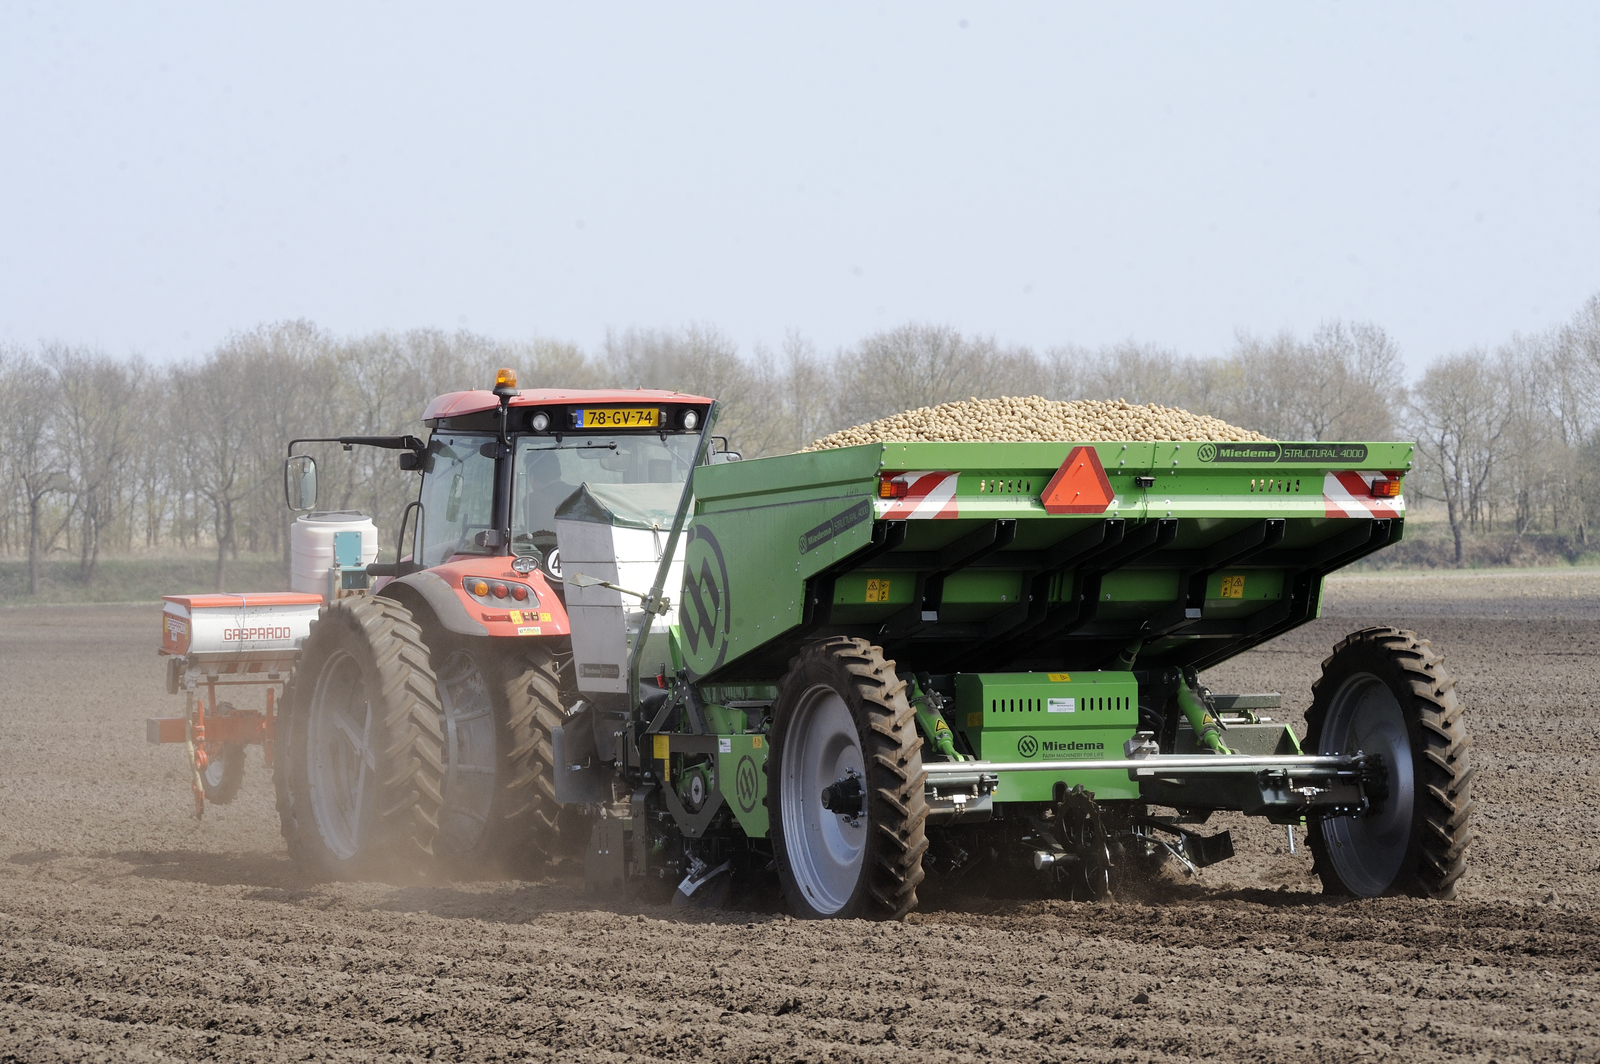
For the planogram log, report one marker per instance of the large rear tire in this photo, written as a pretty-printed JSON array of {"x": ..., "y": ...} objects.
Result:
[
  {"x": 1384, "y": 691},
  {"x": 360, "y": 756},
  {"x": 842, "y": 725}
]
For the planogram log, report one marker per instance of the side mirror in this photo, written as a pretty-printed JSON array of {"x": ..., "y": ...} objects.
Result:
[{"x": 300, "y": 482}]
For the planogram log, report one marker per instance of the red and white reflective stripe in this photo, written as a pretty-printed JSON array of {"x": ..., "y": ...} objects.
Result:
[
  {"x": 1349, "y": 494},
  {"x": 932, "y": 495}
]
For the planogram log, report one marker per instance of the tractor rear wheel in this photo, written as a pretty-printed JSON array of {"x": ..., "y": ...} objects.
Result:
[
  {"x": 846, "y": 784},
  {"x": 360, "y": 759},
  {"x": 1384, "y": 691}
]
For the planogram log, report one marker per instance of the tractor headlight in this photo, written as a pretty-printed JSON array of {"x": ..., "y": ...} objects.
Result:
[
  {"x": 691, "y": 419},
  {"x": 540, "y": 422}
]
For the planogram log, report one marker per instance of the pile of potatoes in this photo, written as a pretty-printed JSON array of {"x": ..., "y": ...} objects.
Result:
[{"x": 1035, "y": 418}]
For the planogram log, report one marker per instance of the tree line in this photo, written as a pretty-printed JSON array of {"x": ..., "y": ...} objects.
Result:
[{"x": 101, "y": 455}]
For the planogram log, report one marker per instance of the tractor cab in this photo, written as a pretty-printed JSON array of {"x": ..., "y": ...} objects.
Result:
[{"x": 555, "y": 448}]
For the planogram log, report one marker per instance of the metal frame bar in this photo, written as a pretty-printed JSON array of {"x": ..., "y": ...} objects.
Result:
[{"x": 1159, "y": 765}]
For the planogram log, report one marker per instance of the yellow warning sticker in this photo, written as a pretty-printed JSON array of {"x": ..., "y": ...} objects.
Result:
[
  {"x": 545, "y": 617},
  {"x": 516, "y": 617},
  {"x": 663, "y": 747},
  {"x": 1233, "y": 587},
  {"x": 974, "y": 720},
  {"x": 755, "y": 742},
  {"x": 1060, "y": 677},
  {"x": 877, "y": 591},
  {"x": 529, "y": 631}
]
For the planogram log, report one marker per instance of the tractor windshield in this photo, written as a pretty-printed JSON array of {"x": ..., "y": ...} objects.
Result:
[
  {"x": 548, "y": 472},
  {"x": 458, "y": 484}
]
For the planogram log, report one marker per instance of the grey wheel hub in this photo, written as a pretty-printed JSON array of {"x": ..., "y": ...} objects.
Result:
[
  {"x": 341, "y": 761},
  {"x": 469, "y": 751},
  {"x": 1367, "y": 852},
  {"x": 826, "y": 849},
  {"x": 215, "y": 769}
]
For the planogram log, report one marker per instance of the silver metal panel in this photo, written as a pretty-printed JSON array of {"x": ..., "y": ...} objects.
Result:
[{"x": 599, "y": 635}]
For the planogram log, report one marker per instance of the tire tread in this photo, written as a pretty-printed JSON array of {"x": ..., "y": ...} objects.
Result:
[
  {"x": 1443, "y": 828},
  {"x": 898, "y": 810}
]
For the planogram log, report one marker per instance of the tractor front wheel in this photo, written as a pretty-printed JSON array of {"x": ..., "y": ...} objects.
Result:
[
  {"x": 534, "y": 696},
  {"x": 498, "y": 706},
  {"x": 846, "y": 785},
  {"x": 1384, "y": 691}
]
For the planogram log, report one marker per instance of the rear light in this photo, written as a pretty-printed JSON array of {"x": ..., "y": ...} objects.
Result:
[
  {"x": 892, "y": 486},
  {"x": 1386, "y": 486},
  {"x": 488, "y": 591}
]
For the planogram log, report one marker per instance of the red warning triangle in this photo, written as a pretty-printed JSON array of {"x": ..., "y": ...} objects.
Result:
[{"x": 1080, "y": 486}]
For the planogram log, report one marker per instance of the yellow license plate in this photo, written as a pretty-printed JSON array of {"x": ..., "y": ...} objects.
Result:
[{"x": 618, "y": 417}]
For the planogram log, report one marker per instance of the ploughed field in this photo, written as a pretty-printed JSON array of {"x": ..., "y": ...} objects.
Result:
[{"x": 130, "y": 932}]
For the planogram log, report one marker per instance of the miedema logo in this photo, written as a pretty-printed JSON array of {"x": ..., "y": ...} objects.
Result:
[
  {"x": 1027, "y": 746},
  {"x": 746, "y": 783},
  {"x": 1337, "y": 453},
  {"x": 704, "y": 613}
]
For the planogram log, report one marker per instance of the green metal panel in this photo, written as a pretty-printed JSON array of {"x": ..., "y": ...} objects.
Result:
[
  {"x": 780, "y": 551},
  {"x": 742, "y": 776},
  {"x": 1050, "y": 717}
]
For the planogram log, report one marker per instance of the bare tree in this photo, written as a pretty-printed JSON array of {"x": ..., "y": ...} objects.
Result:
[
  {"x": 1346, "y": 383},
  {"x": 918, "y": 365},
  {"x": 700, "y": 360},
  {"x": 803, "y": 390},
  {"x": 1138, "y": 373},
  {"x": 214, "y": 452},
  {"x": 100, "y": 420},
  {"x": 1460, "y": 415},
  {"x": 34, "y": 458}
]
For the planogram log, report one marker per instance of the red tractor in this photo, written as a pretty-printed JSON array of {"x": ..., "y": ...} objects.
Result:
[{"x": 420, "y": 714}]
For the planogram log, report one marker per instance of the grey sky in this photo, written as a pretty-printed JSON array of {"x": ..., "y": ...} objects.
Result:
[{"x": 1043, "y": 173}]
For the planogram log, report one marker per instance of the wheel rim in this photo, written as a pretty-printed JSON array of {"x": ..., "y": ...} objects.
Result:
[
  {"x": 341, "y": 763},
  {"x": 826, "y": 852},
  {"x": 215, "y": 766},
  {"x": 1367, "y": 852},
  {"x": 469, "y": 751}
]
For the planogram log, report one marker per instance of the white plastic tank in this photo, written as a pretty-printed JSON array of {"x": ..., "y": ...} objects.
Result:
[{"x": 311, "y": 546}]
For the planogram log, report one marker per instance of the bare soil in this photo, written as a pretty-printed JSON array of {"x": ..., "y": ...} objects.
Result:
[{"x": 128, "y": 931}]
